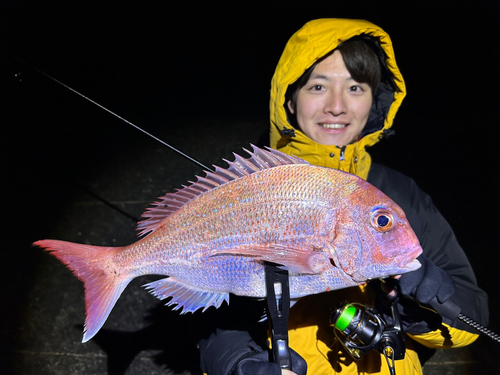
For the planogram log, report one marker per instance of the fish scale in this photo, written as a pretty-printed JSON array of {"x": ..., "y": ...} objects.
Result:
[
  {"x": 212, "y": 237},
  {"x": 225, "y": 216},
  {"x": 229, "y": 219}
]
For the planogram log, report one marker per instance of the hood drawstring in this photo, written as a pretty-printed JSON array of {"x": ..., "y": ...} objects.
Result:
[
  {"x": 387, "y": 133},
  {"x": 285, "y": 132},
  {"x": 342, "y": 154}
]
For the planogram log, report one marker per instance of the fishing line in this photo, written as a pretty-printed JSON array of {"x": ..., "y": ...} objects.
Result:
[
  {"x": 116, "y": 115},
  {"x": 463, "y": 318}
]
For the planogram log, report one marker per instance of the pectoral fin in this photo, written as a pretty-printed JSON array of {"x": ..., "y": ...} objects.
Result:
[{"x": 294, "y": 259}]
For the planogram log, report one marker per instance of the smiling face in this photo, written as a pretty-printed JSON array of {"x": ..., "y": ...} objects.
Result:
[{"x": 332, "y": 108}]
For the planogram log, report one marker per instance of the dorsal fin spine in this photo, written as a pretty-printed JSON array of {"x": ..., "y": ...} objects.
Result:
[
  {"x": 205, "y": 181},
  {"x": 217, "y": 178},
  {"x": 237, "y": 169},
  {"x": 224, "y": 172},
  {"x": 240, "y": 167},
  {"x": 246, "y": 164},
  {"x": 266, "y": 157},
  {"x": 197, "y": 188}
]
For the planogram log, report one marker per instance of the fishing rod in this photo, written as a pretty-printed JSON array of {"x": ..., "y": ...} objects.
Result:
[
  {"x": 114, "y": 114},
  {"x": 277, "y": 285},
  {"x": 277, "y": 281}
]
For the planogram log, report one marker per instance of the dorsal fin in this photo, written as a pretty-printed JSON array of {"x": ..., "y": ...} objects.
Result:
[{"x": 259, "y": 160}]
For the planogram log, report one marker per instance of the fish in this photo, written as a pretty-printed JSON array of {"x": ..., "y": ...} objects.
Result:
[{"x": 212, "y": 237}]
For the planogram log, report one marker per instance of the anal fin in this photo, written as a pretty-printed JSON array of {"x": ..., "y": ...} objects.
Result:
[{"x": 187, "y": 297}]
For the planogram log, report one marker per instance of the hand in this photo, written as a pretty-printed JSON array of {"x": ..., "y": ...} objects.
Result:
[
  {"x": 388, "y": 287},
  {"x": 427, "y": 282},
  {"x": 258, "y": 364}
]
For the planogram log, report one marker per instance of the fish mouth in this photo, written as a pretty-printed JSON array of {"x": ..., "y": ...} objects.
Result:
[
  {"x": 410, "y": 261},
  {"x": 413, "y": 265},
  {"x": 408, "y": 264}
]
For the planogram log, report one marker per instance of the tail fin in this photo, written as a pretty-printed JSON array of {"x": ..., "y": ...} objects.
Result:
[{"x": 103, "y": 282}]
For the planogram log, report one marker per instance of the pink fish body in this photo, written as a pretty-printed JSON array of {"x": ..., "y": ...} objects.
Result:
[{"x": 330, "y": 229}]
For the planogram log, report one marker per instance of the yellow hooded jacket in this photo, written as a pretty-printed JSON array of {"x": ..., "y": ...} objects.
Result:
[
  {"x": 309, "y": 332},
  {"x": 305, "y": 47}
]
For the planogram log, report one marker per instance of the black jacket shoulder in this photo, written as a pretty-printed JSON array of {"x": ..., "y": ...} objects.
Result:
[{"x": 436, "y": 237}]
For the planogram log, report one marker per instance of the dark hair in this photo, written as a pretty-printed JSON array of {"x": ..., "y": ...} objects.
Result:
[{"x": 359, "y": 59}]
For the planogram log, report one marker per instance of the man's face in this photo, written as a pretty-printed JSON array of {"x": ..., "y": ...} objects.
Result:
[{"x": 332, "y": 108}]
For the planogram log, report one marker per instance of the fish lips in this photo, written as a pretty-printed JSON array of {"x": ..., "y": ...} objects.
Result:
[
  {"x": 411, "y": 263},
  {"x": 408, "y": 264}
]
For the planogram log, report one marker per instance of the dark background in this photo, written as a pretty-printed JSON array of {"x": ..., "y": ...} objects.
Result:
[{"x": 197, "y": 75}]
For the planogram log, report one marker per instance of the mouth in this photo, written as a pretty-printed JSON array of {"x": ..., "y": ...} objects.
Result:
[
  {"x": 412, "y": 255},
  {"x": 413, "y": 265},
  {"x": 332, "y": 126}
]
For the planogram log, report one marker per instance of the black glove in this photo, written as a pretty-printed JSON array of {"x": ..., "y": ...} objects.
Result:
[
  {"x": 427, "y": 282},
  {"x": 231, "y": 352},
  {"x": 257, "y": 363}
]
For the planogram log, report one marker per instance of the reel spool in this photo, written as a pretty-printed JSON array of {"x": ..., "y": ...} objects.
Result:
[{"x": 360, "y": 329}]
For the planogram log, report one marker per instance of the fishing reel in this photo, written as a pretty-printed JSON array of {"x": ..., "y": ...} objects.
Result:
[{"x": 361, "y": 329}]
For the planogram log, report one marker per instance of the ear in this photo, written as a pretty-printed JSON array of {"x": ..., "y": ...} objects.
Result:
[{"x": 290, "y": 107}]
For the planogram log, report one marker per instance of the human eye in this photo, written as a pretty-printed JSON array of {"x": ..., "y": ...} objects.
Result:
[
  {"x": 356, "y": 88},
  {"x": 317, "y": 87}
]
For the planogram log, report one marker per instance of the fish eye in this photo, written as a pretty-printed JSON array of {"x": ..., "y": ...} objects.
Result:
[{"x": 382, "y": 220}]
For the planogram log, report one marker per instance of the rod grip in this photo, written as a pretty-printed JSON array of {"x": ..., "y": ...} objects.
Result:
[{"x": 448, "y": 309}]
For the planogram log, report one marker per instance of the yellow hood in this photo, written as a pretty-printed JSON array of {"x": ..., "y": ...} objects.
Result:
[{"x": 313, "y": 41}]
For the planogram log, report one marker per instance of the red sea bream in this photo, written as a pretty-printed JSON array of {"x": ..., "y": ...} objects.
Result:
[{"x": 330, "y": 229}]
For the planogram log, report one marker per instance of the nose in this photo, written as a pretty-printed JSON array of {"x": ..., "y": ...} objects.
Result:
[{"x": 335, "y": 103}]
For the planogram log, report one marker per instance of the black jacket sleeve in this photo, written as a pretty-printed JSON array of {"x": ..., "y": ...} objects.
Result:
[
  {"x": 236, "y": 353},
  {"x": 234, "y": 341},
  {"x": 223, "y": 349},
  {"x": 231, "y": 332},
  {"x": 438, "y": 242}
]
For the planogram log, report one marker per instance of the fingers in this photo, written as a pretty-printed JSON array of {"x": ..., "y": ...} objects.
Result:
[
  {"x": 447, "y": 288},
  {"x": 387, "y": 286},
  {"x": 429, "y": 286},
  {"x": 388, "y": 289}
]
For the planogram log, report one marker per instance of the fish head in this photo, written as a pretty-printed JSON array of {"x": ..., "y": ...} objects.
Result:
[{"x": 373, "y": 238}]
